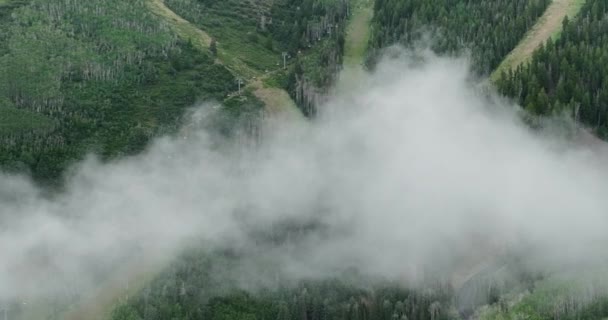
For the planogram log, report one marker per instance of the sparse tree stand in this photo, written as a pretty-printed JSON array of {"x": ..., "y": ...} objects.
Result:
[{"x": 213, "y": 47}]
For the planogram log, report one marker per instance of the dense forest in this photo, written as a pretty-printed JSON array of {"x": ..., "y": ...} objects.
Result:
[
  {"x": 489, "y": 29},
  {"x": 201, "y": 285},
  {"x": 570, "y": 74},
  {"x": 315, "y": 71}
]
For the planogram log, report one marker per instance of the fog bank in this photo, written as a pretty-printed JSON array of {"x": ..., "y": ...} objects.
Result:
[{"x": 414, "y": 171}]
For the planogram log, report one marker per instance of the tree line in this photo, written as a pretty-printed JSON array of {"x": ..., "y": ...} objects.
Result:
[
  {"x": 202, "y": 285},
  {"x": 489, "y": 29},
  {"x": 569, "y": 74}
]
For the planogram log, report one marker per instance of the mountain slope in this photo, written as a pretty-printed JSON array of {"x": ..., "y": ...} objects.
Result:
[
  {"x": 547, "y": 26},
  {"x": 488, "y": 29},
  {"x": 108, "y": 76},
  {"x": 275, "y": 99},
  {"x": 568, "y": 75},
  {"x": 107, "y": 85}
]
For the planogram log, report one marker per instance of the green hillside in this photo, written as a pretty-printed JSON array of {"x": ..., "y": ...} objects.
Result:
[
  {"x": 568, "y": 75},
  {"x": 489, "y": 29},
  {"x": 548, "y": 26},
  {"x": 105, "y": 77},
  {"x": 108, "y": 76},
  {"x": 252, "y": 37}
]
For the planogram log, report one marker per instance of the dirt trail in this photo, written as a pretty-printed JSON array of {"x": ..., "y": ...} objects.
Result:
[{"x": 548, "y": 25}]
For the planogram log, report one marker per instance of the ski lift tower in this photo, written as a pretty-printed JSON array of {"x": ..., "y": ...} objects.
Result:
[
  {"x": 239, "y": 81},
  {"x": 285, "y": 56}
]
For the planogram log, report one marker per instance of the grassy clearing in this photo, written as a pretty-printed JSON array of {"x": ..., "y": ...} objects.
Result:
[
  {"x": 200, "y": 39},
  {"x": 242, "y": 47},
  {"x": 358, "y": 33},
  {"x": 549, "y": 26},
  {"x": 277, "y": 101},
  {"x": 247, "y": 54}
]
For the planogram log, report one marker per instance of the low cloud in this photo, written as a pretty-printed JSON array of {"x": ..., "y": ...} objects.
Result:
[{"x": 412, "y": 170}]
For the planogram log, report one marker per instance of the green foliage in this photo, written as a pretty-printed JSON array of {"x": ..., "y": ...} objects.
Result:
[
  {"x": 256, "y": 33},
  {"x": 93, "y": 76},
  {"x": 313, "y": 34},
  {"x": 107, "y": 76},
  {"x": 555, "y": 298},
  {"x": 569, "y": 74},
  {"x": 237, "y": 26},
  {"x": 240, "y": 113},
  {"x": 240, "y": 306},
  {"x": 201, "y": 285},
  {"x": 322, "y": 63},
  {"x": 16, "y": 121},
  {"x": 125, "y": 312},
  {"x": 279, "y": 79},
  {"x": 490, "y": 29},
  {"x": 299, "y": 24}
]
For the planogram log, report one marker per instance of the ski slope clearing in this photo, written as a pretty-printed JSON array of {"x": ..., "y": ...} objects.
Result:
[
  {"x": 548, "y": 25},
  {"x": 275, "y": 99},
  {"x": 358, "y": 33}
]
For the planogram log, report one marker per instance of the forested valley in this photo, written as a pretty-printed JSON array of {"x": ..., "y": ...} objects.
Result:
[{"x": 106, "y": 77}]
